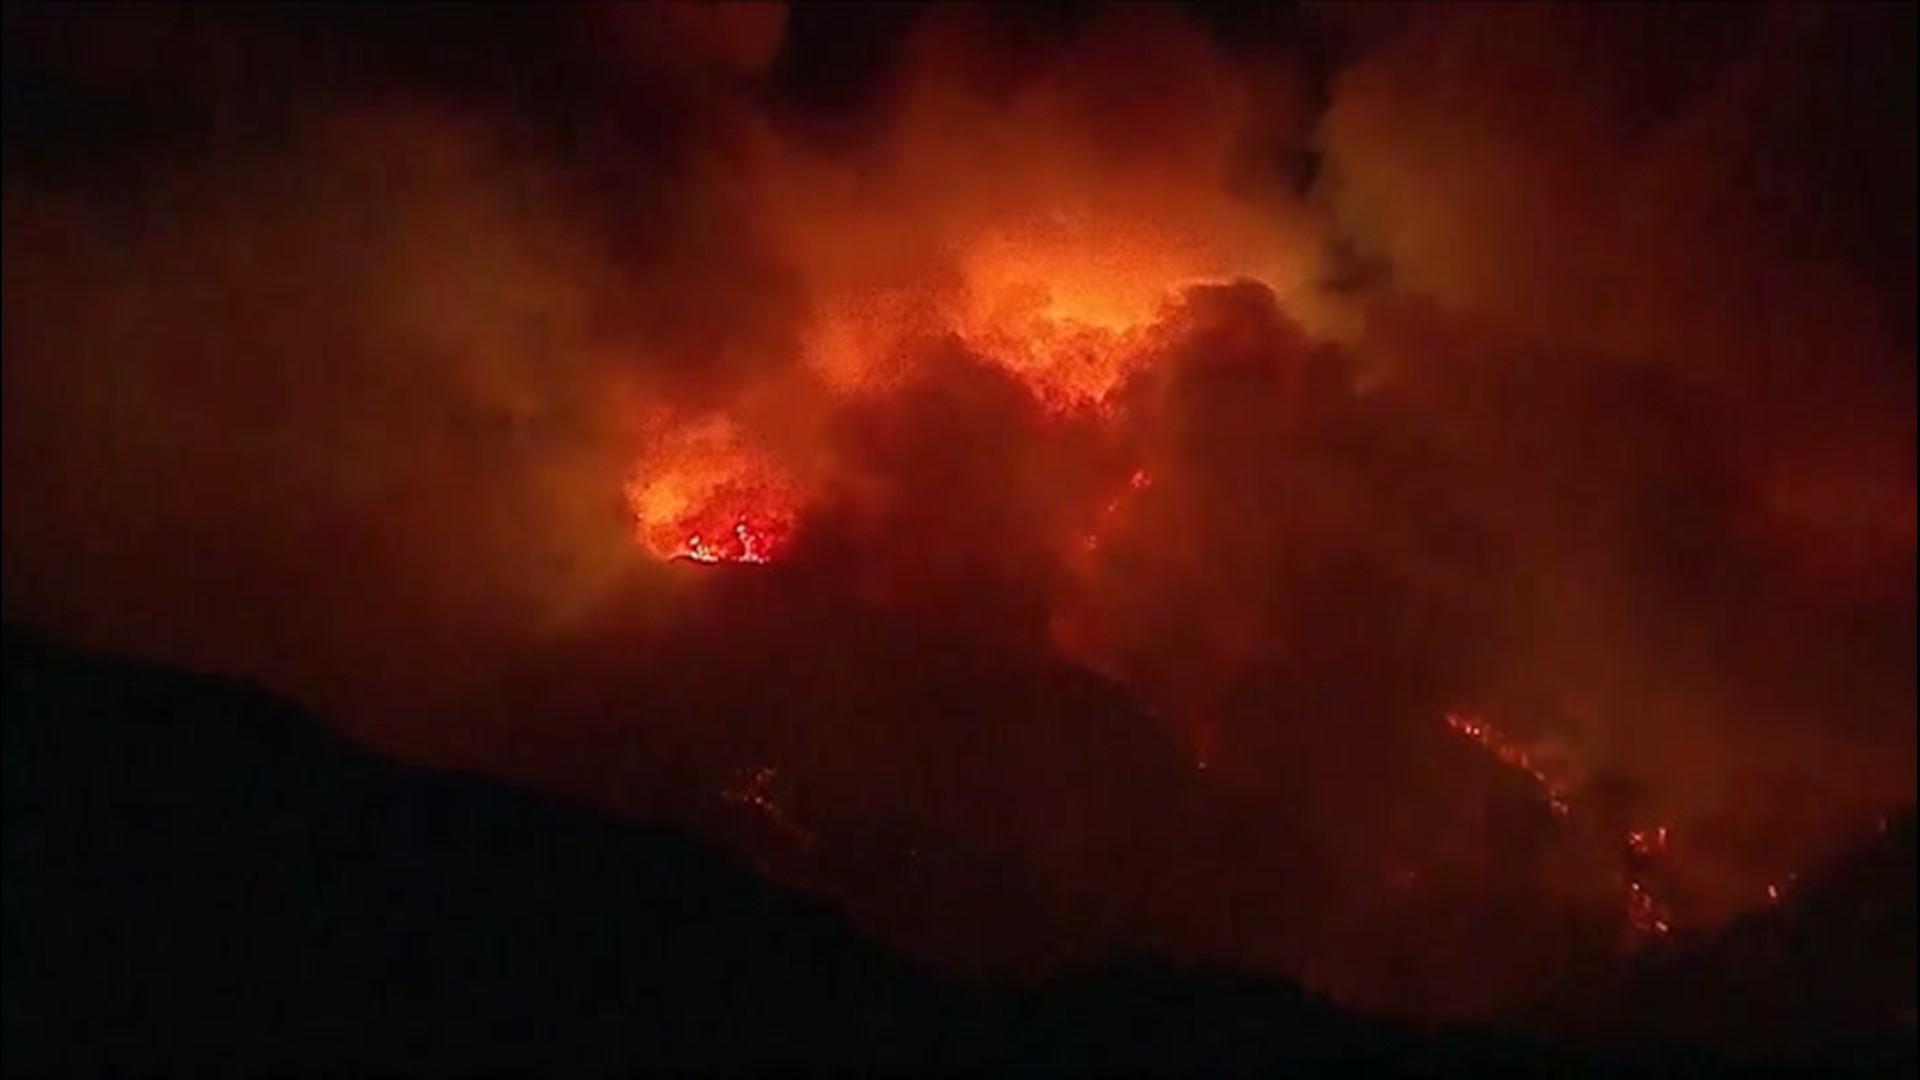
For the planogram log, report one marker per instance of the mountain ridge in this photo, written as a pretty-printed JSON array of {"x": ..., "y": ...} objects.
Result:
[{"x": 200, "y": 876}]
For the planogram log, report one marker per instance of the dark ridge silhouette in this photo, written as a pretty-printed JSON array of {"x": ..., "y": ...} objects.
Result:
[{"x": 199, "y": 878}]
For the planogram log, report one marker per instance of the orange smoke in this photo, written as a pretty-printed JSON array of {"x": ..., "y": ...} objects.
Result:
[{"x": 1041, "y": 359}]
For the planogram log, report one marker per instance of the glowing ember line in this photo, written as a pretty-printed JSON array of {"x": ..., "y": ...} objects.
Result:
[
  {"x": 1513, "y": 755},
  {"x": 1647, "y": 913}
]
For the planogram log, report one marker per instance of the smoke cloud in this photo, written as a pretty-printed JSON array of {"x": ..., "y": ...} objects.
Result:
[{"x": 1153, "y": 434}]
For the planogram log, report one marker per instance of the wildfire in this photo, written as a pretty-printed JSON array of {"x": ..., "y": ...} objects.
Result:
[
  {"x": 705, "y": 494},
  {"x": 1111, "y": 510},
  {"x": 751, "y": 540},
  {"x": 1067, "y": 364},
  {"x": 1646, "y": 913},
  {"x": 1069, "y": 305},
  {"x": 1513, "y": 755},
  {"x": 754, "y": 789},
  {"x": 1648, "y": 843}
]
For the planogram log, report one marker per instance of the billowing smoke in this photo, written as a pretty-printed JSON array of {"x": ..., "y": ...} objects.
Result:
[{"x": 1154, "y": 430}]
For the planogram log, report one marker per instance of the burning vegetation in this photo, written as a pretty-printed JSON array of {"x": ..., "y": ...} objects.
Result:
[
  {"x": 1090, "y": 424},
  {"x": 1513, "y": 755}
]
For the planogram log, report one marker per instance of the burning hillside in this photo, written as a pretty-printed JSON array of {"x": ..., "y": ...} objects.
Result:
[{"x": 1410, "y": 500}]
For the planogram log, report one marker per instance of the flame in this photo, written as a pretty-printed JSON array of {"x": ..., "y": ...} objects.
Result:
[
  {"x": 1648, "y": 843},
  {"x": 1069, "y": 314},
  {"x": 1647, "y": 913},
  {"x": 706, "y": 494},
  {"x": 1513, "y": 755},
  {"x": 754, "y": 789},
  {"x": 1074, "y": 311},
  {"x": 1066, "y": 364},
  {"x": 1113, "y": 510},
  {"x": 753, "y": 539}
]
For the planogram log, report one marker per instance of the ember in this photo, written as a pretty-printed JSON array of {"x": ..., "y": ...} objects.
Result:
[
  {"x": 1646, "y": 915},
  {"x": 1514, "y": 755},
  {"x": 705, "y": 493},
  {"x": 1113, "y": 509},
  {"x": 1647, "y": 912},
  {"x": 754, "y": 789}
]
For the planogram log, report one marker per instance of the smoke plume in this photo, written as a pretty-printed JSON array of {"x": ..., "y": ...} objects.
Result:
[{"x": 1154, "y": 428}]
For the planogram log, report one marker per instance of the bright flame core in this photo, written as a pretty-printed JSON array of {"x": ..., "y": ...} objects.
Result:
[
  {"x": 704, "y": 493},
  {"x": 1069, "y": 315},
  {"x": 753, "y": 539}
]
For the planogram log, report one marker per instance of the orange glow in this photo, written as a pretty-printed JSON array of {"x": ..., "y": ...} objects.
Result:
[
  {"x": 1647, "y": 912},
  {"x": 1095, "y": 446},
  {"x": 1070, "y": 314},
  {"x": 1067, "y": 364},
  {"x": 1075, "y": 304},
  {"x": 705, "y": 494},
  {"x": 755, "y": 539}
]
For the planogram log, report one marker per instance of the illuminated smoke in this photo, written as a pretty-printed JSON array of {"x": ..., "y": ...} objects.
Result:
[{"x": 1569, "y": 394}]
